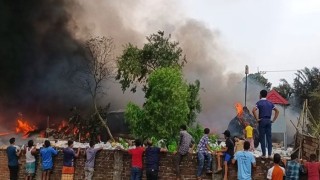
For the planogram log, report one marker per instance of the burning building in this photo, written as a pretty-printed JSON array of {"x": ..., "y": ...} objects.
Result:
[{"x": 237, "y": 124}]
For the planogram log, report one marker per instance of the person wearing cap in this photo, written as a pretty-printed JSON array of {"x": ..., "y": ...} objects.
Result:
[
  {"x": 227, "y": 153},
  {"x": 13, "y": 154},
  {"x": 265, "y": 109}
]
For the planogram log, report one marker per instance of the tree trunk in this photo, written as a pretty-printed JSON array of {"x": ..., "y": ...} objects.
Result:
[{"x": 104, "y": 123}]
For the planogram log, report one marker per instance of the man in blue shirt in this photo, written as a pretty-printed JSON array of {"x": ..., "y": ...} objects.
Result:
[
  {"x": 265, "y": 109},
  {"x": 68, "y": 159},
  {"x": 46, "y": 154},
  {"x": 203, "y": 153},
  {"x": 13, "y": 155},
  {"x": 152, "y": 160},
  {"x": 245, "y": 159}
]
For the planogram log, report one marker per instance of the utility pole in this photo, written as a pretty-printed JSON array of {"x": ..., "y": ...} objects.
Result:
[{"x": 246, "y": 86}]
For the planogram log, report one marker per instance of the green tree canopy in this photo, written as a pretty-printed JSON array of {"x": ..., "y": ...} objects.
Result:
[
  {"x": 284, "y": 89},
  {"x": 260, "y": 79},
  {"x": 307, "y": 86},
  {"x": 166, "y": 106},
  {"x": 136, "y": 64}
]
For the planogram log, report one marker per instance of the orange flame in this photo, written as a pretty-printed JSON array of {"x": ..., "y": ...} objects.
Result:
[
  {"x": 5, "y": 133},
  {"x": 239, "y": 109},
  {"x": 24, "y": 127},
  {"x": 62, "y": 125}
]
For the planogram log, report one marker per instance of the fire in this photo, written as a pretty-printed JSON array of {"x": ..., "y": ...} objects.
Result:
[
  {"x": 5, "y": 133},
  {"x": 239, "y": 109},
  {"x": 62, "y": 125},
  {"x": 24, "y": 127}
]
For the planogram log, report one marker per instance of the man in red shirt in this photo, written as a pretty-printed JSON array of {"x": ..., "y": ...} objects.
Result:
[
  {"x": 313, "y": 168},
  {"x": 136, "y": 160}
]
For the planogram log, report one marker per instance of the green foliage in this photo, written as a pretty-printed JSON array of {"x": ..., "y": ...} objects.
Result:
[
  {"x": 196, "y": 132},
  {"x": 213, "y": 138},
  {"x": 165, "y": 109},
  {"x": 306, "y": 86},
  {"x": 135, "y": 64},
  {"x": 194, "y": 103},
  {"x": 172, "y": 146},
  {"x": 259, "y": 78},
  {"x": 284, "y": 89}
]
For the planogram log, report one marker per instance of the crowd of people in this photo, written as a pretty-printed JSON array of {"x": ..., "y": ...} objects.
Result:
[{"x": 237, "y": 150}]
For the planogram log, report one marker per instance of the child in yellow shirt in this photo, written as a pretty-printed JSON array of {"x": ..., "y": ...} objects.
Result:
[{"x": 248, "y": 132}]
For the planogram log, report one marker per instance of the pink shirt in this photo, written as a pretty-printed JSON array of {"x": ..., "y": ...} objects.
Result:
[{"x": 313, "y": 170}]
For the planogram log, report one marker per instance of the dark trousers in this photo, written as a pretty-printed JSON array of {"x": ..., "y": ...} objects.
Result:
[
  {"x": 265, "y": 133},
  {"x": 178, "y": 160},
  {"x": 152, "y": 174},
  {"x": 136, "y": 173},
  {"x": 13, "y": 172}
]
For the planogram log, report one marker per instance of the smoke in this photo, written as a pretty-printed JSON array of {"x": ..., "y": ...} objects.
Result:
[{"x": 42, "y": 44}]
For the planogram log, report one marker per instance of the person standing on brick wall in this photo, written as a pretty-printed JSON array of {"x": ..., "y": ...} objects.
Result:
[
  {"x": 68, "y": 159},
  {"x": 13, "y": 154},
  {"x": 265, "y": 109},
  {"x": 227, "y": 153},
  {"x": 204, "y": 153},
  {"x": 186, "y": 145},
  {"x": 30, "y": 151},
  {"x": 90, "y": 155},
  {"x": 245, "y": 160},
  {"x": 276, "y": 172},
  {"x": 312, "y": 168},
  {"x": 136, "y": 160},
  {"x": 46, "y": 154},
  {"x": 152, "y": 160}
]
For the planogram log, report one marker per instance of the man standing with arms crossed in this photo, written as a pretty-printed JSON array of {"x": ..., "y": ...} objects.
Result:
[{"x": 265, "y": 109}]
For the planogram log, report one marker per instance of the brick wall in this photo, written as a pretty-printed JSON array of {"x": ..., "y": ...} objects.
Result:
[{"x": 112, "y": 164}]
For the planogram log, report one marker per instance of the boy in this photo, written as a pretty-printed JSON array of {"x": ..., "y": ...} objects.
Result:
[
  {"x": 248, "y": 132},
  {"x": 136, "y": 160},
  {"x": 152, "y": 160},
  {"x": 186, "y": 141},
  {"x": 293, "y": 168},
  {"x": 203, "y": 150},
  {"x": 245, "y": 159},
  {"x": 238, "y": 144},
  {"x": 68, "y": 158},
  {"x": 13, "y": 154},
  {"x": 227, "y": 152},
  {"x": 46, "y": 154},
  {"x": 276, "y": 172},
  {"x": 30, "y": 151},
  {"x": 90, "y": 155},
  {"x": 313, "y": 168}
]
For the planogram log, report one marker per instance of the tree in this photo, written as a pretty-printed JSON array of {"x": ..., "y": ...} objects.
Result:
[
  {"x": 260, "y": 79},
  {"x": 194, "y": 103},
  {"x": 166, "y": 106},
  {"x": 284, "y": 89},
  {"x": 135, "y": 65},
  {"x": 306, "y": 86},
  {"x": 99, "y": 66}
]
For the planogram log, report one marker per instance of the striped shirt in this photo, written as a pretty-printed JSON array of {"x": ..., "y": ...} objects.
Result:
[{"x": 202, "y": 144}]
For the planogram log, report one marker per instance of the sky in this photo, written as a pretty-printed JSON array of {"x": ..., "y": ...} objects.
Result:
[{"x": 266, "y": 35}]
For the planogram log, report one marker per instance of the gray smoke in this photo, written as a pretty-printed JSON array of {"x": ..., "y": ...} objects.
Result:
[{"x": 43, "y": 43}]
